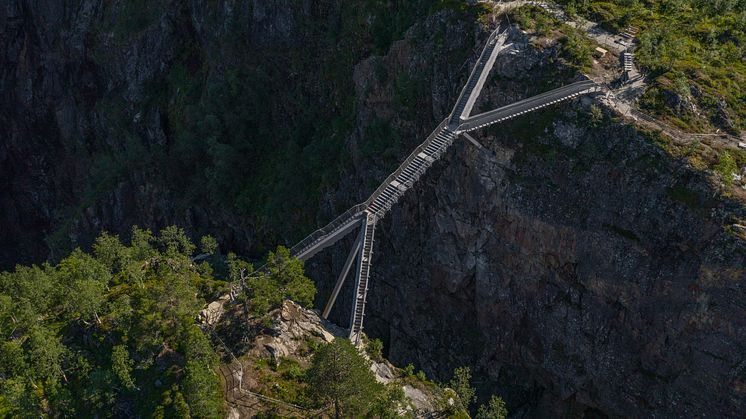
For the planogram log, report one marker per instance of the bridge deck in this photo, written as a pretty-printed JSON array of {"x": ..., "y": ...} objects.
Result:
[
  {"x": 415, "y": 165},
  {"x": 527, "y": 105}
]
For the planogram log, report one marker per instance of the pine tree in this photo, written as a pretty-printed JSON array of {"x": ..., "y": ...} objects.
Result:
[
  {"x": 461, "y": 384},
  {"x": 495, "y": 410},
  {"x": 341, "y": 376}
]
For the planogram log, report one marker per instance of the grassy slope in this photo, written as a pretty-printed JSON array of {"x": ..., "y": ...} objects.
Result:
[{"x": 692, "y": 48}]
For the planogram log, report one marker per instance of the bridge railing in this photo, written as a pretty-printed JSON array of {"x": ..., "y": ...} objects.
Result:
[
  {"x": 329, "y": 228},
  {"x": 357, "y": 209},
  {"x": 535, "y": 102},
  {"x": 475, "y": 72},
  {"x": 405, "y": 163}
]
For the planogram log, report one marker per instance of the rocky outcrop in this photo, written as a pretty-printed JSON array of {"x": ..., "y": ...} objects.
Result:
[
  {"x": 292, "y": 324},
  {"x": 287, "y": 339},
  {"x": 211, "y": 314}
]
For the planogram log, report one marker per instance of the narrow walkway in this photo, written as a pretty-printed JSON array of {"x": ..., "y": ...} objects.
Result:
[
  {"x": 366, "y": 215},
  {"x": 238, "y": 397},
  {"x": 528, "y": 105}
]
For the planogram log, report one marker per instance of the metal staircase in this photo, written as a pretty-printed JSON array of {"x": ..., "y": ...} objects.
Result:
[
  {"x": 366, "y": 214},
  {"x": 361, "y": 279},
  {"x": 414, "y": 166},
  {"x": 470, "y": 92}
]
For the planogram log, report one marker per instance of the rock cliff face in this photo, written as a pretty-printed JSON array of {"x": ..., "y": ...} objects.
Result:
[
  {"x": 574, "y": 265},
  {"x": 228, "y": 117},
  {"x": 569, "y": 276},
  {"x": 577, "y": 267}
]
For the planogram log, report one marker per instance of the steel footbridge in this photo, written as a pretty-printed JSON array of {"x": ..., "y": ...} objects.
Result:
[{"x": 363, "y": 217}]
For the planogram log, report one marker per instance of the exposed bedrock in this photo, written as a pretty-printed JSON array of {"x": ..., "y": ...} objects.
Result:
[
  {"x": 575, "y": 266},
  {"x": 566, "y": 271}
]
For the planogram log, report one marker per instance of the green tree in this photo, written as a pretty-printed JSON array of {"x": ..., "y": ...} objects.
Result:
[
  {"x": 202, "y": 390},
  {"x": 461, "y": 384},
  {"x": 288, "y": 272},
  {"x": 12, "y": 360},
  {"x": 22, "y": 398},
  {"x": 36, "y": 285},
  {"x": 201, "y": 386},
  {"x": 8, "y": 320},
  {"x": 45, "y": 353},
  {"x": 121, "y": 366},
  {"x": 99, "y": 393},
  {"x": 141, "y": 244},
  {"x": 181, "y": 408},
  {"x": 285, "y": 279},
  {"x": 208, "y": 245},
  {"x": 596, "y": 115},
  {"x": 264, "y": 294},
  {"x": 84, "y": 279},
  {"x": 375, "y": 349},
  {"x": 86, "y": 299},
  {"x": 111, "y": 252},
  {"x": 173, "y": 240},
  {"x": 388, "y": 402},
  {"x": 341, "y": 376},
  {"x": 494, "y": 410},
  {"x": 726, "y": 167},
  {"x": 236, "y": 267},
  {"x": 174, "y": 301}
]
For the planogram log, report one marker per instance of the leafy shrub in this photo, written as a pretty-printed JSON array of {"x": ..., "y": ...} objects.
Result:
[
  {"x": 577, "y": 49},
  {"x": 494, "y": 410},
  {"x": 408, "y": 370},
  {"x": 726, "y": 167},
  {"x": 375, "y": 349}
]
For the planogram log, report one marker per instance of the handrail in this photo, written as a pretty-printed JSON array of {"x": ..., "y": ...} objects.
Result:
[
  {"x": 539, "y": 101},
  {"x": 359, "y": 208},
  {"x": 330, "y": 227},
  {"x": 405, "y": 163},
  {"x": 467, "y": 90},
  {"x": 538, "y": 98}
]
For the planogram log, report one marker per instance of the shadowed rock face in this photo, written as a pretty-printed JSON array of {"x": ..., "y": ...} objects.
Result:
[
  {"x": 575, "y": 266},
  {"x": 577, "y": 269},
  {"x": 569, "y": 288},
  {"x": 95, "y": 101},
  {"x": 569, "y": 278}
]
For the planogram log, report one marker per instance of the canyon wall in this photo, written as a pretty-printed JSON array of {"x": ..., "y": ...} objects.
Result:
[{"x": 576, "y": 266}]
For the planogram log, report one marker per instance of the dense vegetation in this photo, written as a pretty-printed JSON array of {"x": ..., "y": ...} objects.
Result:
[
  {"x": 577, "y": 49},
  {"x": 113, "y": 333},
  {"x": 694, "y": 50},
  {"x": 110, "y": 333},
  {"x": 256, "y": 130}
]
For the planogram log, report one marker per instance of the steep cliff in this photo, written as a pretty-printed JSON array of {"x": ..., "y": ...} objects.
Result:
[
  {"x": 575, "y": 265},
  {"x": 578, "y": 266},
  {"x": 226, "y": 117}
]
